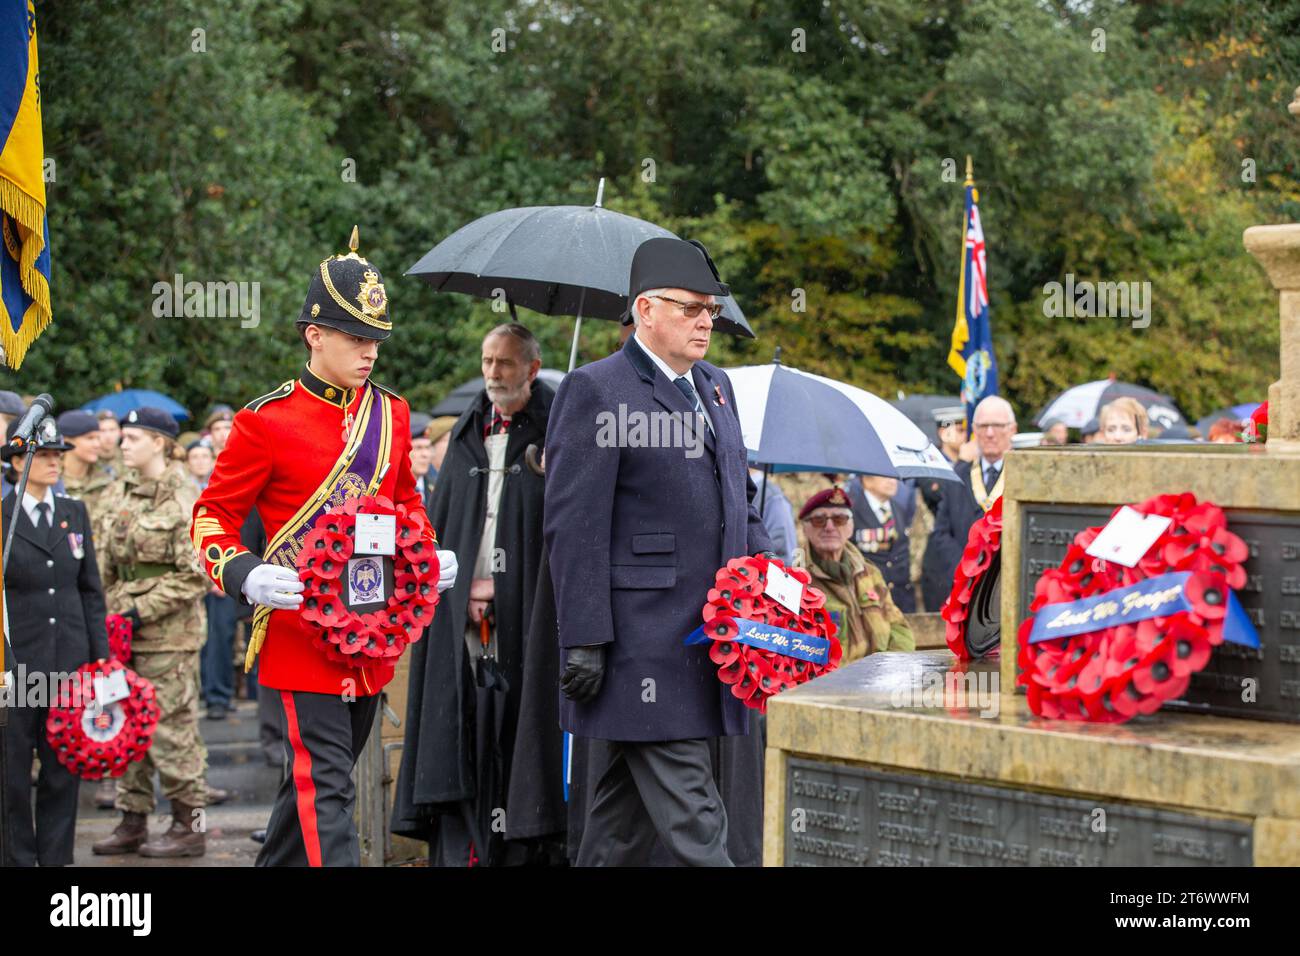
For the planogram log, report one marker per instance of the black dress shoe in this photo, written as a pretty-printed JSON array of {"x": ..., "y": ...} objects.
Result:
[
  {"x": 258, "y": 836},
  {"x": 218, "y": 712}
]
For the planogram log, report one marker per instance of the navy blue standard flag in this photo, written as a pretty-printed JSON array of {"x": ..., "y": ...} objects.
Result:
[
  {"x": 24, "y": 248},
  {"x": 971, "y": 355}
]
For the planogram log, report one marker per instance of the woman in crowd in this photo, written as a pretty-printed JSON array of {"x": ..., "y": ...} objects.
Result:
[
  {"x": 1123, "y": 422},
  {"x": 55, "y": 607}
]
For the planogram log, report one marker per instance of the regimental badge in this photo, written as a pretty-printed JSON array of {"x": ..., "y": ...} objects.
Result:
[{"x": 373, "y": 298}]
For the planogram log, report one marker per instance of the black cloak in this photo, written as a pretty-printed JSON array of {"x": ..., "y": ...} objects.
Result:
[{"x": 456, "y": 768}]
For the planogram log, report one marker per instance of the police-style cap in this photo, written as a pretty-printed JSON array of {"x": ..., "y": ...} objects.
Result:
[
  {"x": 665, "y": 263},
  {"x": 152, "y": 419},
  {"x": 47, "y": 438},
  {"x": 347, "y": 293},
  {"x": 75, "y": 422},
  {"x": 949, "y": 413}
]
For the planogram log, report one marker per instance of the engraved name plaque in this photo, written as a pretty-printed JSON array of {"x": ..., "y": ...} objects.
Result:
[{"x": 839, "y": 815}]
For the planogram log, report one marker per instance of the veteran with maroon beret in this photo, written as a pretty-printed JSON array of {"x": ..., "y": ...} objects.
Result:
[{"x": 857, "y": 596}]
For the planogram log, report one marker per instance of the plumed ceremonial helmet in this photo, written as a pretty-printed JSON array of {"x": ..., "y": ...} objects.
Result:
[{"x": 347, "y": 293}]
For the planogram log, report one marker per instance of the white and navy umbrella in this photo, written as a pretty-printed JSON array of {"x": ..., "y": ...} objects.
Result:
[
  {"x": 797, "y": 421},
  {"x": 1079, "y": 405}
]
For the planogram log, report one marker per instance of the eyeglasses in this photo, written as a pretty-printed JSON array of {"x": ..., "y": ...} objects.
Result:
[
  {"x": 819, "y": 521},
  {"x": 693, "y": 309},
  {"x": 994, "y": 426}
]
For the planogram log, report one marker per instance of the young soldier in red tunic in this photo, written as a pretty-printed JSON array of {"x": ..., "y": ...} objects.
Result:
[{"x": 312, "y": 443}]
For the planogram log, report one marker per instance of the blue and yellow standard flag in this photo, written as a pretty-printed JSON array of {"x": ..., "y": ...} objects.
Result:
[
  {"x": 25, "y": 255},
  {"x": 971, "y": 355}
]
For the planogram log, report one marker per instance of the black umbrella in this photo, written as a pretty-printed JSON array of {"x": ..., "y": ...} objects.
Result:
[
  {"x": 556, "y": 260},
  {"x": 920, "y": 409},
  {"x": 462, "y": 396}
]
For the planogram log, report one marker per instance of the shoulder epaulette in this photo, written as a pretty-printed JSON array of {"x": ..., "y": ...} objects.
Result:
[
  {"x": 386, "y": 390},
  {"x": 284, "y": 391}
]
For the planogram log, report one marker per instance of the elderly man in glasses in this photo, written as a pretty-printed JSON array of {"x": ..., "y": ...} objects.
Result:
[
  {"x": 994, "y": 425},
  {"x": 856, "y": 593},
  {"x": 637, "y": 522}
]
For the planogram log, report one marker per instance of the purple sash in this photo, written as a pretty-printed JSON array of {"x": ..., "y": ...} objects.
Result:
[{"x": 357, "y": 473}]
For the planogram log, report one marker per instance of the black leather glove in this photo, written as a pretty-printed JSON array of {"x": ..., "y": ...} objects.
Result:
[
  {"x": 584, "y": 671},
  {"x": 134, "y": 617},
  {"x": 772, "y": 556}
]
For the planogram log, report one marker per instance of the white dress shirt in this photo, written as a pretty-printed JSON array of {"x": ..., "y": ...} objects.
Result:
[
  {"x": 878, "y": 506},
  {"x": 673, "y": 376},
  {"x": 30, "y": 503}
]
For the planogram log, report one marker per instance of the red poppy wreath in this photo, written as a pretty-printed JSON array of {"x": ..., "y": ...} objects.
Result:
[
  {"x": 94, "y": 740},
  {"x": 325, "y": 562},
  {"x": 980, "y": 556},
  {"x": 761, "y": 647},
  {"x": 1112, "y": 674}
]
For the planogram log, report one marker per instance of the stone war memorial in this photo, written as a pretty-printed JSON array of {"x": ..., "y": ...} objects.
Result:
[{"x": 924, "y": 759}]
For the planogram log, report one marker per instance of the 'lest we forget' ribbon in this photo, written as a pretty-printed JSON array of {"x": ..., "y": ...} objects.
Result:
[
  {"x": 805, "y": 647},
  {"x": 1160, "y": 596}
]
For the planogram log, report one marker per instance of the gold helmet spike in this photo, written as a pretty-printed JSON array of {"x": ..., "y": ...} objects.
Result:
[{"x": 354, "y": 239}]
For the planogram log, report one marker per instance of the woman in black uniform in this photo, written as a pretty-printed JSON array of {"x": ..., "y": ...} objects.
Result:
[{"x": 56, "y": 623}]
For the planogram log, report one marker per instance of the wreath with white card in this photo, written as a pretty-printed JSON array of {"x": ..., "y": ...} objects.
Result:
[
  {"x": 103, "y": 718},
  {"x": 766, "y": 628},
  {"x": 1180, "y": 553},
  {"x": 371, "y": 573}
]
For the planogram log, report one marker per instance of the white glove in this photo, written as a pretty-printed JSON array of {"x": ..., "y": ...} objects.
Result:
[
  {"x": 275, "y": 586},
  {"x": 447, "y": 569}
]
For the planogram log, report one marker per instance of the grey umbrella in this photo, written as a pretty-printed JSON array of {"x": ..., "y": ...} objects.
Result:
[{"x": 556, "y": 260}]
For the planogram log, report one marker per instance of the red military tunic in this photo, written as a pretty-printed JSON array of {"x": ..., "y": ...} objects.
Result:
[{"x": 281, "y": 448}]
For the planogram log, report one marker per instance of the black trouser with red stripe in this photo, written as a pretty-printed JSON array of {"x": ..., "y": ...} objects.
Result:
[{"x": 311, "y": 824}]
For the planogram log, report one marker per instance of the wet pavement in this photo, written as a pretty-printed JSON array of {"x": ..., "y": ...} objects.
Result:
[{"x": 235, "y": 763}]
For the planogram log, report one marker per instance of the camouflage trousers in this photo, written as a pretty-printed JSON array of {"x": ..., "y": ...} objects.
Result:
[{"x": 177, "y": 752}]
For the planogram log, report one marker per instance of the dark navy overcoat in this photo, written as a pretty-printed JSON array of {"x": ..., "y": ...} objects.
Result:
[{"x": 636, "y": 532}]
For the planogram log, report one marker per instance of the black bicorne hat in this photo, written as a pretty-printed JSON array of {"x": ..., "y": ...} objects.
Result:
[{"x": 667, "y": 263}]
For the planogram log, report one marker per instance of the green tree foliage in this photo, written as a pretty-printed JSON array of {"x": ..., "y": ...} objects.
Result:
[{"x": 816, "y": 146}]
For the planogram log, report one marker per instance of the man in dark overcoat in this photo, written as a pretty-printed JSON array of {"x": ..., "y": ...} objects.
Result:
[{"x": 647, "y": 495}]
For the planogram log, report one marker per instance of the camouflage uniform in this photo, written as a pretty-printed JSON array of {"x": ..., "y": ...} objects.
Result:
[
  {"x": 875, "y": 623},
  {"x": 148, "y": 563},
  {"x": 90, "y": 489}
]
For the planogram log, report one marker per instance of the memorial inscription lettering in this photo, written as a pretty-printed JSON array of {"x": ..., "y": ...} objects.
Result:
[
  {"x": 1263, "y": 683},
  {"x": 839, "y": 815}
]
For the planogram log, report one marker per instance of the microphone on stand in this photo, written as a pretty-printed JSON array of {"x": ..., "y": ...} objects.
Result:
[{"x": 42, "y": 406}]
